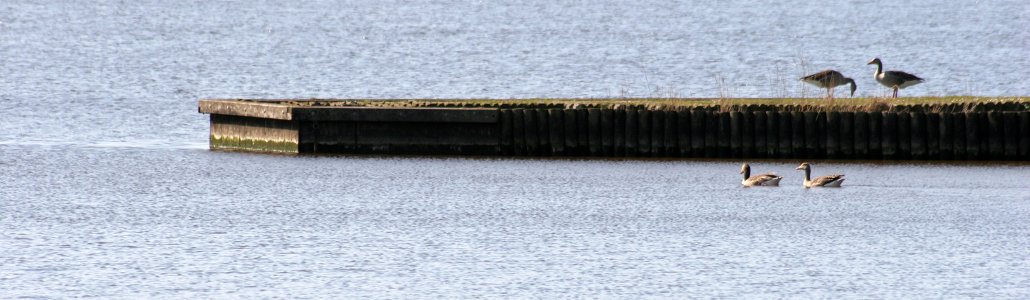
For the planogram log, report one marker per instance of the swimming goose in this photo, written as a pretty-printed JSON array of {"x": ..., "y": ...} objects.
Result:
[
  {"x": 767, "y": 179},
  {"x": 824, "y": 181},
  {"x": 828, "y": 79},
  {"x": 893, "y": 79}
]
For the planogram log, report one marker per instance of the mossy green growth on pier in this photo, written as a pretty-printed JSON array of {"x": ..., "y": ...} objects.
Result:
[
  {"x": 238, "y": 144},
  {"x": 945, "y": 103}
]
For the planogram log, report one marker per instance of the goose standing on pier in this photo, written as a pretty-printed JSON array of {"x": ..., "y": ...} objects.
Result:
[
  {"x": 828, "y": 79},
  {"x": 767, "y": 179},
  {"x": 823, "y": 181},
  {"x": 893, "y": 79}
]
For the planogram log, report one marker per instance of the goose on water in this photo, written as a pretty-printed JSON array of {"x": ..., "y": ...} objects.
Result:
[
  {"x": 822, "y": 181},
  {"x": 893, "y": 79},
  {"x": 767, "y": 179},
  {"x": 828, "y": 79}
]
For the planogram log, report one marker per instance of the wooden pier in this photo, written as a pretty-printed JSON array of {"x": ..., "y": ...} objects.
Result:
[{"x": 987, "y": 131}]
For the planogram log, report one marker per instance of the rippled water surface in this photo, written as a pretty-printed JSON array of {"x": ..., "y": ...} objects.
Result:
[{"x": 107, "y": 189}]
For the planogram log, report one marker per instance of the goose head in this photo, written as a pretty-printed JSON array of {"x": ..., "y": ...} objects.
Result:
[
  {"x": 744, "y": 168},
  {"x": 875, "y": 61},
  {"x": 803, "y": 166},
  {"x": 853, "y": 86}
]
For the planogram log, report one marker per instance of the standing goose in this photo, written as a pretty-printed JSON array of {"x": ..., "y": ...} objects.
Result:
[
  {"x": 767, "y": 179},
  {"x": 828, "y": 79},
  {"x": 824, "y": 181},
  {"x": 893, "y": 79}
]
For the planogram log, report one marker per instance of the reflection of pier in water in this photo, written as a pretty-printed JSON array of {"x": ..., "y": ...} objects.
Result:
[{"x": 985, "y": 131}]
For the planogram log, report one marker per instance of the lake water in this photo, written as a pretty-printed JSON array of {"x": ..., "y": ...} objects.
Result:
[{"x": 107, "y": 189}]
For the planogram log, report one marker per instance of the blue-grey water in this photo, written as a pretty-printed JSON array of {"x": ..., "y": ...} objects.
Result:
[{"x": 107, "y": 189}]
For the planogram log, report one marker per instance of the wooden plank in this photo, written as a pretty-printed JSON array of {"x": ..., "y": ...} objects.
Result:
[{"x": 242, "y": 108}]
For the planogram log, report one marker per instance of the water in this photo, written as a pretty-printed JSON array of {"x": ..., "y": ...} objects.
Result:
[{"x": 107, "y": 189}]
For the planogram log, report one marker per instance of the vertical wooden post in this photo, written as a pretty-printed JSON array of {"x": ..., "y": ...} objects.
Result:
[
  {"x": 683, "y": 124},
  {"x": 657, "y": 133},
  {"x": 1011, "y": 125},
  {"x": 832, "y": 135},
  {"x": 583, "y": 126},
  {"x": 671, "y": 144},
  {"x": 995, "y": 136},
  {"x": 760, "y": 134},
  {"x": 631, "y": 132},
  {"x": 724, "y": 135},
  {"x": 557, "y": 129},
  {"x": 697, "y": 133},
  {"x": 933, "y": 146},
  {"x": 608, "y": 132},
  {"x": 619, "y": 129},
  {"x": 532, "y": 133},
  {"x": 1024, "y": 135},
  {"x": 571, "y": 134},
  {"x": 958, "y": 145},
  {"x": 772, "y": 134},
  {"x": 904, "y": 135},
  {"x": 786, "y": 150},
  {"x": 846, "y": 141},
  {"x": 711, "y": 134},
  {"x": 861, "y": 137},
  {"x": 594, "y": 131},
  {"x": 889, "y": 134},
  {"x": 875, "y": 135},
  {"x": 543, "y": 130},
  {"x": 736, "y": 136},
  {"x": 644, "y": 135},
  {"x": 747, "y": 134},
  {"x": 945, "y": 135},
  {"x": 918, "y": 134},
  {"x": 507, "y": 137},
  {"x": 518, "y": 128},
  {"x": 797, "y": 122},
  {"x": 972, "y": 135},
  {"x": 811, "y": 139}
]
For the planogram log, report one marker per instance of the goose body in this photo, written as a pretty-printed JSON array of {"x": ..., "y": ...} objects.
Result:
[
  {"x": 767, "y": 179},
  {"x": 893, "y": 79},
  {"x": 822, "y": 181},
  {"x": 829, "y": 79}
]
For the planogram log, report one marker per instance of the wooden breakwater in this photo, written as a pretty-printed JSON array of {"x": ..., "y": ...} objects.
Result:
[{"x": 991, "y": 131}]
